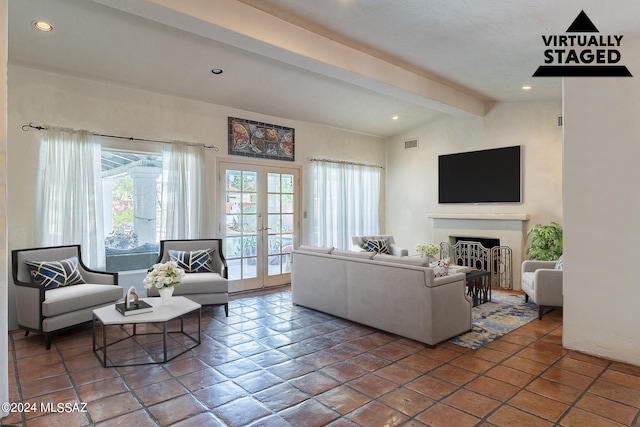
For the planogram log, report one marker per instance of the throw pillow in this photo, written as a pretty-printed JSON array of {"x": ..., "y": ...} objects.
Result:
[
  {"x": 193, "y": 261},
  {"x": 55, "y": 274},
  {"x": 440, "y": 267},
  {"x": 560, "y": 263},
  {"x": 380, "y": 246}
]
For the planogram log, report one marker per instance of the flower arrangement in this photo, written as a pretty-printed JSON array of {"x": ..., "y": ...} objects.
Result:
[
  {"x": 429, "y": 249},
  {"x": 164, "y": 275}
]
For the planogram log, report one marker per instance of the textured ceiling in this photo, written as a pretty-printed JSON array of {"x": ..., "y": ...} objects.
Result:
[{"x": 350, "y": 64}]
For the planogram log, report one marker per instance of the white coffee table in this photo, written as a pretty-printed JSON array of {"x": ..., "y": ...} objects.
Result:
[{"x": 180, "y": 306}]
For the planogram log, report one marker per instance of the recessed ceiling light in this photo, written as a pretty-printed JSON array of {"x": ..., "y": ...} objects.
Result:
[
  {"x": 217, "y": 71},
  {"x": 43, "y": 26},
  {"x": 526, "y": 87},
  {"x": 395, "y": 118}
]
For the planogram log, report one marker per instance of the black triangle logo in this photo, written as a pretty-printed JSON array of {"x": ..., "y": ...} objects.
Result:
[{"x": 582, "y": 24}]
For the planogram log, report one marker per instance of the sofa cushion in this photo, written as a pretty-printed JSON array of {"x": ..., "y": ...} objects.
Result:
[
  {"x": 380, "y": 246},
  {"x": 55, "y": 274},
  {"x": 73, "y": 298},
  {"x": 440, "y": 267},
  {"x": 353, "y": 254},
  {"x": 193, "y": 261},
  {"x": 316, "y": 249},
  {"x": 410, "y": 260}
]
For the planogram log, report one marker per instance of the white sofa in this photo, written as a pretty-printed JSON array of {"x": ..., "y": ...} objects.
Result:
[{"x": 399, "y": 295}]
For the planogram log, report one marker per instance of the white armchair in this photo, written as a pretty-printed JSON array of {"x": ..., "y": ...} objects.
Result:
[
  {"x": 359, "y": 244},
  {"x": 542, "y": 282}
]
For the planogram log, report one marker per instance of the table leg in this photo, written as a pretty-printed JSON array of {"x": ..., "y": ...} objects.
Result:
[
  {"x": 164, "y": 341},
  {"x": 104, "y": 345},
  {"x": 94, "y": 332}
]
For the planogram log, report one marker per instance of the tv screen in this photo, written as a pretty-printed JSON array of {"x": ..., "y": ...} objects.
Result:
[{"x": 485, "y": 176}]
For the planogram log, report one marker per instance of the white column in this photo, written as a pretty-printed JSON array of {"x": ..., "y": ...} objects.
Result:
[
  {"x": 144, "y": 202},
  {"x": 107, "y": 204}
]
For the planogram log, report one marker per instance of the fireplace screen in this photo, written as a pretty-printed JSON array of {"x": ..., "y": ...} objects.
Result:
[{"x": 497, "y": 260}]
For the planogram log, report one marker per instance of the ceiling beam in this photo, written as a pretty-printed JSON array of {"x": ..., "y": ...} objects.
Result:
[{"x": 247, "y": 28}]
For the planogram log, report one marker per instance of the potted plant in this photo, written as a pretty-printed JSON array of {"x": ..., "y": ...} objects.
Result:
[
  {"x": 428, "y": 250},
  {"x": 546, "y": 242}
]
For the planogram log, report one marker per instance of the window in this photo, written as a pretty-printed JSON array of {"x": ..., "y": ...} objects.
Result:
[
  {"x": 132, "y": 193},
  {"x": 346, "y": 202}
]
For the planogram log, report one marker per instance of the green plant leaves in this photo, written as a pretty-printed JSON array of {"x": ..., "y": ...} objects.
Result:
[{"x": 546, "y": 242}]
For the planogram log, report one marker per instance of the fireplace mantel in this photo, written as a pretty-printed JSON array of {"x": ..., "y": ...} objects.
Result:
[
  {"x": 509, "y": 228},
  {"x": 489, "y": 216}
]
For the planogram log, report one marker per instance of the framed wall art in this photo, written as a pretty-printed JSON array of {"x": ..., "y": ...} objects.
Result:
[{"x": 255, "y": 139}]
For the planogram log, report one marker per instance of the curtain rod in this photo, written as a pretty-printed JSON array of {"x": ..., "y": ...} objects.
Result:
[
  {"x": 344, "y": 162},
  {"x": 129, "y": 138}
]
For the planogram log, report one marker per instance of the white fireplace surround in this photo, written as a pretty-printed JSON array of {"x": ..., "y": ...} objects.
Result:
[{"x": 509, "y": 228}]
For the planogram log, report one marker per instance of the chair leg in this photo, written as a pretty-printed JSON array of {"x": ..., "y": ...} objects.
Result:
[
  {"x": 540, "y": 312},
  {"x": 26, "y": 333},
  {"x": 526, "y": 298},
  {"x": 226, "y": 309},
  {"x": 47, "y": 340}
]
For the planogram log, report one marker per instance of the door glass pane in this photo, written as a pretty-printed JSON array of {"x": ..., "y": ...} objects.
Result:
[
  {"x": 280, "y": 220},
  {"x": 274, "y": 203},
  {"x": 241, "y": 223},
  {"x": 287, "y": 203}
]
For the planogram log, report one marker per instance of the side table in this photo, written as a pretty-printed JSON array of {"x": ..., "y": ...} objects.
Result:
[
  {"x": 479, "y": 286},
  {"x": 108, "y": 316}
]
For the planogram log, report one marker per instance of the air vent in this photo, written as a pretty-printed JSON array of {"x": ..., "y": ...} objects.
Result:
[{"x": 411, "y": 143}]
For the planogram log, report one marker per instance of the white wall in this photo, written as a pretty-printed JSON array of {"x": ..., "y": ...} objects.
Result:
[
  {"x": 53, "y": 99},
  {"x": 4, "y": 370},
  {"x": 412, "y": 174},
  {"x": 601, "y": 213}
]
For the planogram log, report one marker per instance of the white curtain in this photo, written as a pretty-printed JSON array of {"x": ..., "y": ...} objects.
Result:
[
  {"x": 346, "y": 202},
  {"x": 69, "y": 195},
  {"x": 184, "y": 198}
]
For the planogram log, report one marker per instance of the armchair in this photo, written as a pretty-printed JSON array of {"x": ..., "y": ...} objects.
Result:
[
  {"x": 542, "y": 282},
  {"x": 54, "y": 290},
  {"x": 358, "y": 244},
  {"x": 209, "y": 286}
]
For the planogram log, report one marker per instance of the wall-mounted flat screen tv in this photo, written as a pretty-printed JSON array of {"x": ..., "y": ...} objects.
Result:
[{"x": 484, "y": 176}]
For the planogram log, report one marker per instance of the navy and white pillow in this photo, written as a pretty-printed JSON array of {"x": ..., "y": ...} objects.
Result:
[
  {"x": 193, "y": 261},
  {"x": 380, "y": 246},
  {"x": 559, "y": 263},
  {"x": 55, "y": 274}
]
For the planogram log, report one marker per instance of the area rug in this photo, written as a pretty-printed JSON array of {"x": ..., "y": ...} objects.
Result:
[{"x": 505, "y": 313}]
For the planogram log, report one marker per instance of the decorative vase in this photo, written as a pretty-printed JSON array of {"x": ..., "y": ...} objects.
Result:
[
  {"x": 165, "y": 294},
  {"x": 430, "y": 258}
]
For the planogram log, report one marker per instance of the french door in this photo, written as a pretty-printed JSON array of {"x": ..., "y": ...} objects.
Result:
[{"x": 260, "y": 223}]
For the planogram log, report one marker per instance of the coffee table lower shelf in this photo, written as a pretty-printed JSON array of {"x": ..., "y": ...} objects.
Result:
[{"x": 109, "y": 316}]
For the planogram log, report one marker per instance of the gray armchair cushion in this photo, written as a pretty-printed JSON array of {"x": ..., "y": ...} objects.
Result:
[
  {"x": 74, "y": 298},
  {"x": 197, "y": 283}
]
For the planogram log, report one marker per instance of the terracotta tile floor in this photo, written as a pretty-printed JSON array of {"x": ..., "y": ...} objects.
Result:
[{"x": 274, "y": 364}]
